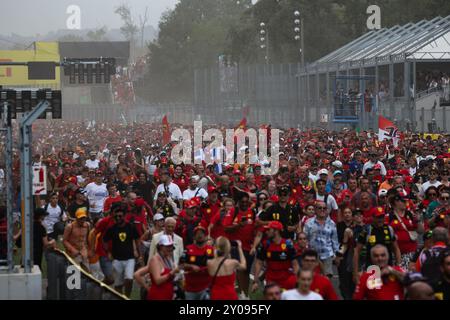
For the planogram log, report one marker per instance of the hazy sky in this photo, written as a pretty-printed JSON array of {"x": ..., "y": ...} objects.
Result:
[{"x": 41, "y": 16}]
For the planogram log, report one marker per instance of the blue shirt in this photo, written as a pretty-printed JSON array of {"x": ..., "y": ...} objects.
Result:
[{"x": 322, "y": 238}]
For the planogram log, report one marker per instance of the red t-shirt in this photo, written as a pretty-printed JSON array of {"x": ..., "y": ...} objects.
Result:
[
  {"x": 245, "y": 234},
  {"x": 208, "y": 212},
  {"x": 390, "y": 289},
  {"x": 217, "y": 230},
  {"x": 367, "y": 216},
  {"x": 323, "y": 286},
  {"x": 404, "y": 241},
  {"x": 198, "y": 281},
  {"x": 139, "y": 221},
  {"x": 102, "y": 226},
  {"x": 109, "y": 201},
  {"x": 182, "y": 182},
  {"x": 278, "y": 258}
]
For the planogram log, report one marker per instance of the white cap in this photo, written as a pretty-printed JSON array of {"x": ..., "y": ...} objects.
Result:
[
  {"x": 382, "y": 192},
  {"x": 322, "y": 171},
  {"x": 337, "y": 164},
  {"x": 158, "y": 216},
  {"x": 165, "y": 240}
]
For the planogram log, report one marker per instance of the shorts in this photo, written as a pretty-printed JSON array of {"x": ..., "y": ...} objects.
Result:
[
  {"x": 106, "y": 267},
  {"x": 202, "y": 295},
  {"x": 327, "y": 266},
  {"x": 123, "y": 270}
]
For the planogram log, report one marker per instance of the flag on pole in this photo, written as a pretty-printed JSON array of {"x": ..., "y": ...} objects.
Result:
[
  {"x": 166, "y": 130},
  {"x": 387, "y": 131},
  {"x": 242, "y": 124}
]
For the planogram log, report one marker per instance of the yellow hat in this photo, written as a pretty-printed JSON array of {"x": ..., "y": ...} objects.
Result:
[{"x": 81, "y": 213}]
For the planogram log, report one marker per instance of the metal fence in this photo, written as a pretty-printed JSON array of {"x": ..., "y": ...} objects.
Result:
[
  {"x": 58, "y": 263},
  {"x": 282, "y": 95}
]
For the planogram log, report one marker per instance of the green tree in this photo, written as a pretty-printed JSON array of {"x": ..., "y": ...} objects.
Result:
[{"x": 97, "y": 34}]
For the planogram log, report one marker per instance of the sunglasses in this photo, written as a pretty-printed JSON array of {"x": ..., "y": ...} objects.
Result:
[
  {"x": 321, "y": 208},
  {"x": 432, "y": 194},
  {"x": 444, "y": 198}
]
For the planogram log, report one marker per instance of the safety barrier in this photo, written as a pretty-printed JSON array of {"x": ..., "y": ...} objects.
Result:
[{"x": 63, "y": 284}]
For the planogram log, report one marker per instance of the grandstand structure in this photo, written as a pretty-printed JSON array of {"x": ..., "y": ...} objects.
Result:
[{"x": 392, "y": 62}]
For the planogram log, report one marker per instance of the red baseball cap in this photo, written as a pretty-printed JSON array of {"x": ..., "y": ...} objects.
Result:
[
  {"x": 377, "y": 167},
  {"x": 212, "y": 189},
  {"x": 378, "y": 211},
  {"x": 409, "y": 179},
  {"x": 275, "y": 225},
  {"x": 237, "y": 171},
  {"x": 191, "y": 204},
  {"x": 199, "y": 227}
]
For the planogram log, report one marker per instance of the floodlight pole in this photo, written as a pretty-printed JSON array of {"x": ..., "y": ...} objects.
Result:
[{"x": 26, "y": 182}]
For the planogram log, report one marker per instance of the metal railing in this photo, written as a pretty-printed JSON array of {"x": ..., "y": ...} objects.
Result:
[{"x": 58, "y": 273}]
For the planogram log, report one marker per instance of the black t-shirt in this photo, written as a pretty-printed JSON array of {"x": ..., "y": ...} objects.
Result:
[
  {"x": 73, "y": 207},
  {"x": 288, "y": 216},
  {"x": 442, "y": 290},
  {"x": 39, "y": 232},
  {"x": 372, "y": 236},
  {"x": 122, "y": 238}
]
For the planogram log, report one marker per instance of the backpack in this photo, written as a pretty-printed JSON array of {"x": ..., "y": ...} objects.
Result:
[{"x": 431, "y": 267}]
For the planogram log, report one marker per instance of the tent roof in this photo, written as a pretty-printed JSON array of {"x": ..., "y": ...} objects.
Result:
[{"x": 424, "y": 40}]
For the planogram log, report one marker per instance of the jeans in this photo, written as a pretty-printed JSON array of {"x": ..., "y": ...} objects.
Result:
[
  {"x": 202, "y": 295},
  {"x": 107, "y": 267}
]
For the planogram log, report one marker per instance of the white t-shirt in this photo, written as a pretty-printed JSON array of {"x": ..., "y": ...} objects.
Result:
[
  {"x": 173, "y": 189},
  {"x": 331, "y": 202},
  {"x": 97, "y": 195},
  {"x": 294, "y": 294},
  {"x": 92, "y": 164},
  {"x": 80, "y": 180},
  {"x": 188, "y": 194},
  {"x": 54, "y": 215},
  {"x": 428, "y": 184}
]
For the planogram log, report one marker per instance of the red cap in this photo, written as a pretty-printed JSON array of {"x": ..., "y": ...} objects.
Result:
[
  {"x": 98, "y": 172},
  {"x": 378, "y": 211},
  {"x": 275, "y": 225},
  {"x": 191, "y": 204},
  {"x": 199, "y": 227},
  {"x": 197, "y": 200},
  {"x": 212, "y": 189},
  {"x": 237, "y": 171},
  {"x": 242, "y": 179},
  {"x": 390, "y": 174},
  {"x": 377, "y": 167},
  {"x": 139, "y": 202},
  {"x": 409, "y": 179}
]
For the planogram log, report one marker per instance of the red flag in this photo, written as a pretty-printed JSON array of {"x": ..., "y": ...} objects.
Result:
[
  {"x": 242, "y": 124},
  {"x": 166, "y": 130},
  {"x": 387, "y": 130}
]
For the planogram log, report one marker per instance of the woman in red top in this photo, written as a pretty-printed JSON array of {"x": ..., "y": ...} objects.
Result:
[
  {"x": 405, "y": 225},
  {"x": 215, "y": 228},
  {"x": 162, "y": 271},
  {"x": 223, "y": 269}
]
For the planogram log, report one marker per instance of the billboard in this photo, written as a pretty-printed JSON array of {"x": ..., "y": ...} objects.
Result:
[{"x": 17, "y": 76}]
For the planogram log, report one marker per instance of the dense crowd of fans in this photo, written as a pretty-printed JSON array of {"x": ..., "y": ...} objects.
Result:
[{"x": 342, "y": 206}]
